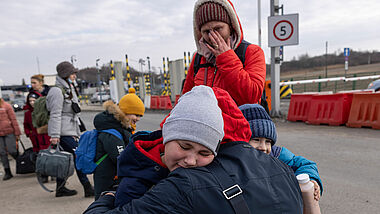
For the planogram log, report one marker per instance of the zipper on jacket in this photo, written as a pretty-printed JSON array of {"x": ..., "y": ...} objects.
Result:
[
  {"x": 205, "y": 77},
  {"x": 213, "y": 79}
]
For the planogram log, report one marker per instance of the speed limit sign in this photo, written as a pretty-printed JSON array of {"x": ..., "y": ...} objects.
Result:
[{"x": 283, "y": 30}]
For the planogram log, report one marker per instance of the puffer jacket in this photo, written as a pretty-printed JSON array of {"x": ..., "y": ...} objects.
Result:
[
  {"x": 244, "y": 83},
  {"x": 299, "y": 164},
  {"x": 8, "y": 121},
  {"x": 268, "y": 185},
  {"x": 63, "y": 121},
  {"x": 105, "y": 172}
]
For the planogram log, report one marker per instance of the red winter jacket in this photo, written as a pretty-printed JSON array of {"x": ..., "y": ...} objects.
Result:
[
  {"x": 8, "y": 121},
  {"x": 39, "y": 141},
  {"x": 244, "y": 83}
]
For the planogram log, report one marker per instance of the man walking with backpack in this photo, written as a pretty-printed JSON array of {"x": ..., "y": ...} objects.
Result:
[
  {"x": 63, "y": 126},
  {"x": 223, "y": 58}
]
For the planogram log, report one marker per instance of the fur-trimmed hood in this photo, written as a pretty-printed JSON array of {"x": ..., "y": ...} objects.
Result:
[
  {"x": 235, "y": 22},
  {"x": 114, "y": 109}
]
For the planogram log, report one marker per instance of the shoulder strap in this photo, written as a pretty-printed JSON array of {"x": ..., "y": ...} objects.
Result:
[
  {"x": 231, "y": 190},
  {"x": 198, "y": 65},
  {"x": 62, "y": 89},
  {"x": 114, "y": 132},
  {"x": 241, "y": 49},
  {"x": 264, "y": 102},
  {"x": 22, "y": 144},
  {"x": 39, "y": 177}
]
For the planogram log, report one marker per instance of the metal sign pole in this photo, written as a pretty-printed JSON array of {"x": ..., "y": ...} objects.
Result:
[
  {"x": 275, "y": 70},
  {"x": 259, "y": 20}
]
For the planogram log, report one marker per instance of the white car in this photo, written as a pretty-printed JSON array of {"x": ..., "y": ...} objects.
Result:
[{"x": 96, "y": 97}]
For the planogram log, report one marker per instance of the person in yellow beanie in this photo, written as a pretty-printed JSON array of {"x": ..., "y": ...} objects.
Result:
[{"x": 132, "y": 106}]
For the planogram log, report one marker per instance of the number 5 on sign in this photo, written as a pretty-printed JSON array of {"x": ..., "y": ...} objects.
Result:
[{"x": 283, "y": 30}]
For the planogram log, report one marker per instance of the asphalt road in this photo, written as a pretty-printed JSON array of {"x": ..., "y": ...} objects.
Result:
[{"x": 347, "y": 158}]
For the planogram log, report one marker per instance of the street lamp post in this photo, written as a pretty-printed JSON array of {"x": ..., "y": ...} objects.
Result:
[
  {"x": 73, "y": 59},
  {"x": 98, "y": 82},
  {"x": 150, "y": 74}
]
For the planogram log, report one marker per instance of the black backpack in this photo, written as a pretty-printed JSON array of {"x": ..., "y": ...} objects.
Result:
[{"x": 240, "y": 52}]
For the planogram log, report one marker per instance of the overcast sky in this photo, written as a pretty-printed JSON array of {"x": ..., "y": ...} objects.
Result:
[{"x": 55, "y": 30}]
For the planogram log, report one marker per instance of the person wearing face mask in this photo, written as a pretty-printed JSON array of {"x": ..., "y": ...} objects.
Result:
[
  {"x": 63, "y": 125},
  {"x": 122, "y": 118},
  {"x": 223, "y": 59}
]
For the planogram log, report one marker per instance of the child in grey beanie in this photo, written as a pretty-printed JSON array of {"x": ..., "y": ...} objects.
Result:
[
  {"x": 189, "y": 138},
  {"x": 195, "y": 122},
  {"x": 202, "y": 124}
]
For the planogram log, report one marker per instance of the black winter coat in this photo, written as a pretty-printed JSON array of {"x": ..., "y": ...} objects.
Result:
[
  {"x": 269, "y": 186},
  {"x": 105, "y": 173}
]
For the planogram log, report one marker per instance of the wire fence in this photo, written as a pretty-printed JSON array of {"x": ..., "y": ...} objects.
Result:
[{"x": 331, "y": 86}]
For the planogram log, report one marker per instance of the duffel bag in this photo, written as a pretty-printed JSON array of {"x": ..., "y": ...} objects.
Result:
[
  {"x": 55, "y": 163},
  {"x": 25, "y": 162}
]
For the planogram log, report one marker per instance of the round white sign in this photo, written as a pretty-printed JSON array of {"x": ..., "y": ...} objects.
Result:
[{"x": 283, "y": 30}]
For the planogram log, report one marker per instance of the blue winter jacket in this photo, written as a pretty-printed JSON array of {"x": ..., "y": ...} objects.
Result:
[
  {"x": 268, "y": 186},
  {"x": 299, "y": 164}
]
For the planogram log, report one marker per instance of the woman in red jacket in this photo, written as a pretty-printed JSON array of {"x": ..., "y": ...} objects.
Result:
[
  {"x": 218, "y": 35},
  {"x": 9, "y": 134}
]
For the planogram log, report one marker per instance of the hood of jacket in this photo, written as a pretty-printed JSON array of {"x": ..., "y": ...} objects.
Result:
[
  {"x": 235, "y": 22},
  {"x": 62, "y": 83},
  {"x": 46, "y": 89},
  {"x": 236, "y": 127},
  {"x": 27, "y": 104},
  {"x": 111, "y": 118},
  {"x": 143, "y": 155}
]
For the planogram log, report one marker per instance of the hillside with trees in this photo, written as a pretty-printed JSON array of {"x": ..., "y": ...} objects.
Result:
[{"x": 306, "y": 62}]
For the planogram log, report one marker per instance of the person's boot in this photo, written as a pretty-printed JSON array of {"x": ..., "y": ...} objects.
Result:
[
  {"x": 8, "y": 174},
  {"x": 63, "y": 191},
  {"x": 88, "y": 190}
]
